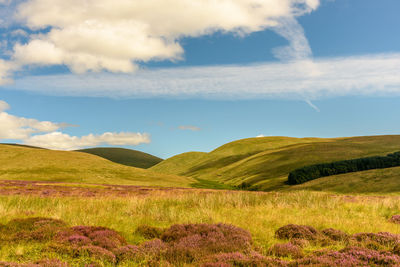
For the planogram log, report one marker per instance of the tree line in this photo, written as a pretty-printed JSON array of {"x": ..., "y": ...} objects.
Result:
[{"x": 316, "y": 171}]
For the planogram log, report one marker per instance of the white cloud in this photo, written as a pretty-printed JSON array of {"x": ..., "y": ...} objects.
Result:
[
  {"x": 189, "y": 127},
  {"x": 5, "y": 71},
  {"x": 260, "y": 136},
  {"x": 4, "y": 106},
  {"x": 45, "y": 133},
  {"x": 116, "y": 35},
  {"x": 61, "y": 141},
  {"x": 298, "y": 48},
  {"x": 13, "y": 127},
  {"x": 363, "y": 75}
]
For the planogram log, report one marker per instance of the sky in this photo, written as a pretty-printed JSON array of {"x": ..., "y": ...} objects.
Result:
[{"x": 172, "y": 76}]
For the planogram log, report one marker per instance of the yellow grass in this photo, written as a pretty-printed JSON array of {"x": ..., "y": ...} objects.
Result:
[{"x": 23, "y": 163}]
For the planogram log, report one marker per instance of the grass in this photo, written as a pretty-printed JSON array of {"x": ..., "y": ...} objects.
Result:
[
  {"x": 266, "y": 162},
  {"x": 201, "y": 183},
  {"x": 124, "y": 156},
  {"x": 268, "y": 212},
  {"x": 24, "y": 163},
  {"x": 384, "y": 181}
]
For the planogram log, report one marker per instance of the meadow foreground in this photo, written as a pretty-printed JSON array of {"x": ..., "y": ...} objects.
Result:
[{"x": 42, "y": 224}]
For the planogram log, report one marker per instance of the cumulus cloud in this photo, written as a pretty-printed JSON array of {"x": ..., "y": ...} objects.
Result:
[
  {"x": 4, "y": 106},
  {"x": 116, "y": 35},
  {"x": 13, "y": 127},
  {"x": 189, "y": 128},
  {"x": 361, "y": 75},
  {"x": 6, "y": 68},
  {"x": 62, "y": 141},
  {"x": 46, "y": 134}
]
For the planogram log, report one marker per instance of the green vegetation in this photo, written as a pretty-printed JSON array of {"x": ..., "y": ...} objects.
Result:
[
  {"x": 313, "y": 172},
  {"x": 24, "y": 163},
  {"x": 262, "y": 214},
  {"x": 264, "y": 163},
  {"x": 124, "y": 156},
  {"x": 379, "y": 181}
]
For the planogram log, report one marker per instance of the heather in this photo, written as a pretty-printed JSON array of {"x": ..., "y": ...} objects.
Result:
[
  {"x": 197, "y": 245},
  {"x": 197, "y": 227}
]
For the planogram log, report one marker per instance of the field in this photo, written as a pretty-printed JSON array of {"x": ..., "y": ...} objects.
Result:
[{"x": 158, "y": 207}]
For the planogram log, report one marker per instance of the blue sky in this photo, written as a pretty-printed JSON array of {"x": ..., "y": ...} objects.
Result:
[{"x": 341, "y": 78}]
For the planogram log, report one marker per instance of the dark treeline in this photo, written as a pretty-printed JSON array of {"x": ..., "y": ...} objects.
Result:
[{"x": 312, "y": 172}]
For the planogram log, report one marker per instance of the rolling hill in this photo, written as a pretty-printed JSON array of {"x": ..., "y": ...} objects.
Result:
[
  {"x": 264, "y": 163},
  {"x": 124, "y": 156},
  {"x": 25, "y": 163},
  {"x": 372, "y": 181}
]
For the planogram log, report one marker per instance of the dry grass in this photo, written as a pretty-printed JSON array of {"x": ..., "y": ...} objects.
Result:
[{"x": 259, "y": 213}]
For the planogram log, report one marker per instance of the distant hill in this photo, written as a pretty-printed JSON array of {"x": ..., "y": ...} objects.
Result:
[
  {"x": 264, "y": 163},
  {"x": 25, "y": 163},
  {"x": 21, "y": 145},
  {"x": 124, "y": 156}
]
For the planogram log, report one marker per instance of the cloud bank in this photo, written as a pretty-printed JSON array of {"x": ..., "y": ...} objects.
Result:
[
  {"x": 362, "y": 75},
  {"x": 46, "y": 134},
  {"x": 116, "y": 35}
]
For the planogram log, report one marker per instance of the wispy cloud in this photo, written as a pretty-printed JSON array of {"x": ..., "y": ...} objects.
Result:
[
  {"x": 189, "y": 128},
  {"x": 47, "y": 134},
  {"x": 361, "y": 75},
  {"x": 311, "y": 104}
]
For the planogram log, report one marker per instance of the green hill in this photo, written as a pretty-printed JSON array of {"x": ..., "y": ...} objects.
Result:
[
  {"x": 265, "y": 162},
  {"x": 24, "y": 163},
  {"x": 372, "y": 181},
  {"x": 124, "y": 156}
]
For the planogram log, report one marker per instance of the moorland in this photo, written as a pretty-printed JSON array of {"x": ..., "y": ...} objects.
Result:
[{"x": 232, "y": 206}]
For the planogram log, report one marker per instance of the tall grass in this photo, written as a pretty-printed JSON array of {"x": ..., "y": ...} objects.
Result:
[{"x": 260, "y": 213}]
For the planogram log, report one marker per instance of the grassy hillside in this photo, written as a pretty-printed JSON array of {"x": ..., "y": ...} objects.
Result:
[
  {"x": 266, "y": 162},
  {"x": 180, "y": 163},
  {"x": 124, "y": 156},
  {"x": 24, "y": 163},
  {"x": 193, "y": 163},
  {"x": 373, "y": 181}
]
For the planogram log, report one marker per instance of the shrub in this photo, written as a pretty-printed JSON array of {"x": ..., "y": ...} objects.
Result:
[
  {"x": 299, "y": 242},
  {"x": 377, "y": 240},
  {"x": 335, "y": 235},
  {"x": 350, "y": 256},
  {"x": 368, "y": 256},
  {"x": 286, "y": 250},
  {"x": 149, "y": 232},
  {"x": 191, "y": 242},
  {"x": 395, "y": 219},
  {"x": 240, "y": 259},
  {"x": 97, "y": 252},
  {"x": 293, "y": 231},
  {"x": 39, "y": 263},
  {"x": 127, "y": 252},
  {"x": 37, "y": 228},
  {"x": 93, "y": 235},
  {"x": 153, "y": 247}
]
